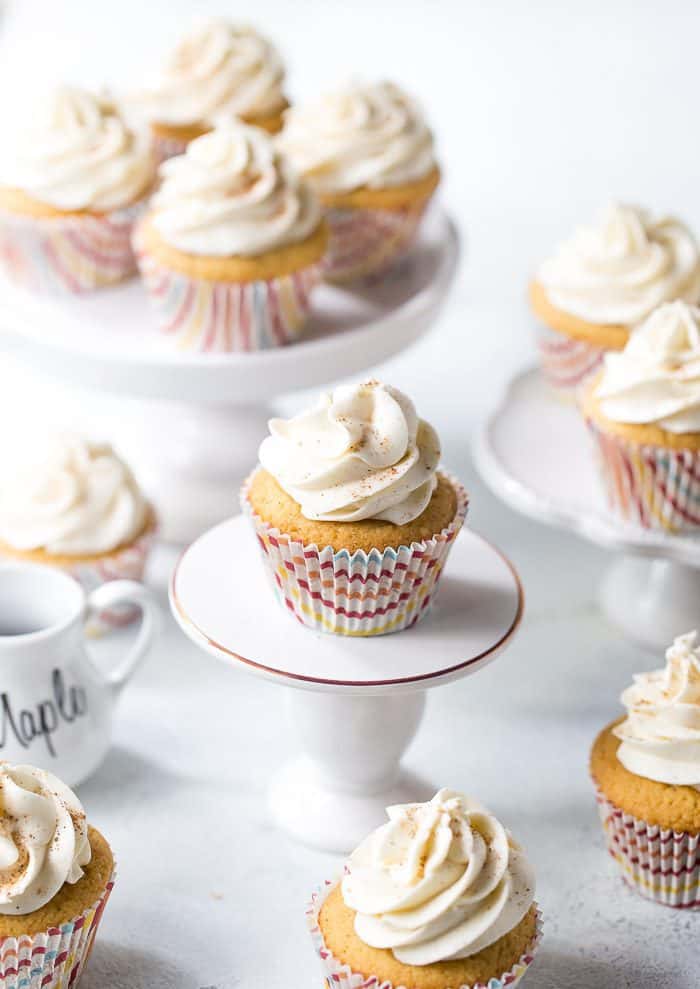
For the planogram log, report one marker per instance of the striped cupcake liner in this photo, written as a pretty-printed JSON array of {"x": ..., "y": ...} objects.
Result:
[
  {"x": 221, "y": 317},
  {"x": 567, "y": 363},
  {"x": 661, "y": 864},
  {"x": 55, "y": 958},
  {"x": 356, "y": 593},
  {"x": 652, "y": 486},
  {"x": 68, "y": 254},
  {"x": 367, "y": 243},
  {"x": 340, "y": 976}
]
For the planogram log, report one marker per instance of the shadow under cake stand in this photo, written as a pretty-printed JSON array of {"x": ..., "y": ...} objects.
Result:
[
  {"x": 193, "y": 422},
  {"x": 355, "y": 703},
  {"x": 534, "y": 453}
]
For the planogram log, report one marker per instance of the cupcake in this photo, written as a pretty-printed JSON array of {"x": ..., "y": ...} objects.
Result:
[
  {"x": 232, "y": 246},
  {"x": 369, "y": 155},
  {"x": 218, "y": 72},
  {"x": 352, "y": 516},
  {"x": 57, "y": 875},
  {"x": 439, "y": 897},
  {"x": 71, "y": 185},
  {"x": 643, "y": 413},
  {"x": 74, "y": 504},
  {"x": 646, "y": 769},
  {"x": 603, "y": 282}
]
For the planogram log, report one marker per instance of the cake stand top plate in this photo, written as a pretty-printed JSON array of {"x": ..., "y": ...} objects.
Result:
[
  {"x": 108, "y": 339},
  {"x": 221, "y": 598},
  {"x": 534, "y": 453}
]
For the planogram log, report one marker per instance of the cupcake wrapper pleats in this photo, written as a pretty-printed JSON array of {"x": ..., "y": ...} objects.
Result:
[
  {"x": 659, "y": 863},
  {"x": 654, "y": 487},
  {"x": 355, "y": 593},
  {"x": 52, "y": 959},
  {"x": 71, "y": 254},
  {"x": 340, "y": 976},
  {"x": 567, "y": 363},
  {"x": 220, "y": 317},
  {"x": 368, "y": 242}
]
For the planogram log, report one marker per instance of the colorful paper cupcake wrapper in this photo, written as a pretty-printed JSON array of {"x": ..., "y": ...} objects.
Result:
[
  {"x": 659, "y": 863},
  {"x": 72, "y": 254},
  {"x": 355, "y": 593},
  {"x": 55, "y": 958},
  {"x": 567, "y": 363},
  {"x": 654, "y": 487},
  {"x": 340, "y": 976},
  {"x": 220, "y": 317},
  {"x": 368, "y": 242}
]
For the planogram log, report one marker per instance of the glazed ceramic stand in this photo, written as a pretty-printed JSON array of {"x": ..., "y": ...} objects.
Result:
[
  {"x": 354, "y": 703},
  {"x": 192, "y": 423},
  {"x": 534, "y": 453}
]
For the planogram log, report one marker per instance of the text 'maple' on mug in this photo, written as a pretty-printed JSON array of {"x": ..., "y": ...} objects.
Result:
[{"x": 56, "y": 703}]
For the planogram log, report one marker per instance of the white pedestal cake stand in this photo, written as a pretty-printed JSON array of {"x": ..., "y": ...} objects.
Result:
[
  {"x": 356, "y": 703},
  {"x": 534, "y": 453},
  {"x": 194, "y": 430}
]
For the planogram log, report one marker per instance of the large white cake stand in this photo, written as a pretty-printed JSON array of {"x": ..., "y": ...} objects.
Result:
[
  {"x": 197, "y": 419},
  {"x": 356, "y": 703},
  {"x": 534, "y": 453}
]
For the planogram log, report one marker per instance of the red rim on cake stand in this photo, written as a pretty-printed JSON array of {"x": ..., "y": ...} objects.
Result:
[
  {"x": 534, "y": 453},
  {"x": 193, "y": 422},
  {"x": 354, "y": 703}
]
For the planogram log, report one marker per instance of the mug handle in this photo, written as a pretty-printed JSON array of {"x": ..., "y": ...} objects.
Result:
[{"x": 127, "y": 592}]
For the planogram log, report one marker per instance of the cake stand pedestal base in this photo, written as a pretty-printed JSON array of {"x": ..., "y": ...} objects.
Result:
[
  {"x": 357, "y": 702},
  {"x": 652, "y": 601},
  {"x": 350, "y": 772}
]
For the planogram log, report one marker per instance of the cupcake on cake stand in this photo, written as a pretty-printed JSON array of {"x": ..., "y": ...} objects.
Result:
[
  {"x": 354, "y": 704},
  {"x": 193, "y": 422},
  {"x": 534, "y": 453}
]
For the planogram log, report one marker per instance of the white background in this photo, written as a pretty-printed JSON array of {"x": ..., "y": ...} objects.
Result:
[{"x": 543, "y": 112}]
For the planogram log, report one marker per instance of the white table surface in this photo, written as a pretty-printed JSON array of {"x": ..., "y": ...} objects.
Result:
[{"x": 543, "y": 112}]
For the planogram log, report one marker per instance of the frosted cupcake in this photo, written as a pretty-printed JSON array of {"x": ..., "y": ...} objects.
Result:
[
  {"x": 369, "y": 155},
  {"x": 57, "y": 875},
  {"x": 76, "y": 505},
  {"x": 71, "y": 185},
  {"x": 646, "y": 769},
  {"x": 219, "y": 72},
  {"x": 643, "y": 413},
  {"x": 602, "y": 282},
  {"x": 232, "y": 246},
  {"x": 439, "y": 897},
  {"x": 353, "y": 517}
]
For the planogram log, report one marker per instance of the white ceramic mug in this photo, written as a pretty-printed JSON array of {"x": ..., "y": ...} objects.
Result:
[{"x": 56, "y": 704}]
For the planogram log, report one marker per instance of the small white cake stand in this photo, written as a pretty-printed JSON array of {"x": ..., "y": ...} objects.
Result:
[
  {"x": 197, "y": 420},
  {"x": 358, "y": 702},
  {"x": 534, "y": 453}
]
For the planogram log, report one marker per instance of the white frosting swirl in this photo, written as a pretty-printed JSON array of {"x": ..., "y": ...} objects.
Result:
[
  {"x": 360, "y": 136},
  {"x": 219, "y": 71},
  {"x": 360, "y": 453},
  {"x": 660, "y": 737},
  {"x": 440, "y": 880},
  {"x": 79, "y": 154},
  {"x": 70, "y": 497},
  {"x": 43, "y": 838},
  {"x": 616, "y": 271},
  {"x": 656, "y": 378},
  {"x": 232, "y": 193}
]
